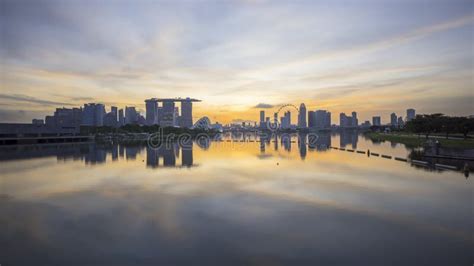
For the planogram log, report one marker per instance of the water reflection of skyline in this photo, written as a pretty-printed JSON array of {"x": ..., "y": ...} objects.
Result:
[
  {"x": 348, "y": 137},
  {"x": 292, "y": 146},
  {"x": 93, "y": 153},
  {"x": 244, "y": 194},
  {"x": 173, "y": 154}
]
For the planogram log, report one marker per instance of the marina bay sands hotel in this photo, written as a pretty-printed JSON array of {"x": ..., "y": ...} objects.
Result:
[{"x": 167, "y": 115}]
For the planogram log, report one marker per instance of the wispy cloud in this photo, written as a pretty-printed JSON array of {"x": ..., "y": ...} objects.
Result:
[
  {"x": 28, "y": 99},
  {"x": 235, "y": 54},
  {"x": 263, "y": 106}
]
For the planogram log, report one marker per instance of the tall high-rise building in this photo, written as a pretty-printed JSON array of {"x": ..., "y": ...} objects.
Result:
[
  {"x": 110, "y": 119},
  {"x": 99, "y": 114},
  {"x": 168, "y": 118},
  {"x": 93, "y": 114},
  {"x": 262, "y": 119},
  {"x": 393, "y": 120},
  {"x": 411, "y": 114},
  {"x": 322, "y": 119},
  {"x": 311, "y": 119},
  {"x": 186, "y": 119},
  {"x": 121, "y": 118},
  {"x": 286, "y": 120},
  {"x": 177, "y": 117},
  {"x": 159, "y": 115},
  {"x": 328, "y": 120},
  {"x": 400, "y": 122},
  {"x": 302, "y": 116},
  {"x": 151, "y": 115},
  {"x": 376, "y": 121},
  {"x": 88, "y": 117},
  {"x": 114, "y": 109},
  {"x": 343, "y": 120},
  {"x": 355, "y": 121},
  {"x": 131, "y": 115},
  {"x": 65, "y": 118}
]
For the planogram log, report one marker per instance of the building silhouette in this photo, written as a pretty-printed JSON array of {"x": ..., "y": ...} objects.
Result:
[
  {"x": 393, "y": 120},
  {"x": 311, "y": 119},
  {"x": 286, "y": 120},
  {"x": 131, "y": 115},
  {"x": 345, "y": 121},
  {"x": 322, "y": 119},
  {"x": 93, "y": 114},
  {"x": 186, "y": 119},
  {"x": 376, "y": 121},
  {"x": 354, "y": 120},
  {"x": 411, "y": 114},
  {"x": 302, "y": 116},
  {"x": 121, "y": 118},
  {"x": 151, "y": 111}
]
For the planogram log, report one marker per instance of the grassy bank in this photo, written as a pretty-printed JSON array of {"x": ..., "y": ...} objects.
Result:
[{"x": 415, "y": 141}]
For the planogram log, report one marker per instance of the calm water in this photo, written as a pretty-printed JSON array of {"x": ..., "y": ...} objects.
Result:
[{"x": 230, "y": 203}]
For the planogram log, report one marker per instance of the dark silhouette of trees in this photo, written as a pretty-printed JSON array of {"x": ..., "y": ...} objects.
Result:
[{"x": 428, "y": 124}]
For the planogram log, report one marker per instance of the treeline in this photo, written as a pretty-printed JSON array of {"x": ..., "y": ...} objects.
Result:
[
  {"x": 440, "y": 124},
  {"x": 90, "y": 130}
]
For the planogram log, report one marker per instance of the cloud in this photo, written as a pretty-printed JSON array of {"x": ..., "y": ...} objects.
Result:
[
  {"x": 264, "y": 106},
  {"x": 90, "y": 99},
  {"x": 13, "y": 115},
  {"x": 25, "y": 98}
]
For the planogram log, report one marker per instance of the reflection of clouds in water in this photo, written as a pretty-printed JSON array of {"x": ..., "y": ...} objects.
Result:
[
  {"x": 138, "y": 224},
  {"x": 233, "y": 206}
]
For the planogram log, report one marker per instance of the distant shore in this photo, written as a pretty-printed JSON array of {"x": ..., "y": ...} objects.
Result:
[{"x": 412, "y": 140}]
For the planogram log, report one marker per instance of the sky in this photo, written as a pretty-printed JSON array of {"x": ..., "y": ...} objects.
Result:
[{"x": 370, "y": 56}]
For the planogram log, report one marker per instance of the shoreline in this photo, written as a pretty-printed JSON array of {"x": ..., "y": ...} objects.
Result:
[{"x": 414, "y": 141}]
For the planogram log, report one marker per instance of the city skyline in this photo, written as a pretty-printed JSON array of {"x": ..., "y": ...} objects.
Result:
[
  {"x": 170, "y": 115},
  {"x": 238, "y": 56}
]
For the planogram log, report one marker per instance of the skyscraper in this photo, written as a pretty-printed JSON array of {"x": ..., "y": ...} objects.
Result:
[
  {"x": 111, "y": 117},
  {"x": 186, "y": 119},
  {"x": 131, "y": 115},
  {"x": 393, "y": 120},
  {"x": 311, "y": 119},
  {"x": 65, "y": 118},
  {"x": 114, "y": 109},
  {"x": 99, "y": 114},
  {"x": 400, "y": 122},
  {"x": 168, "y": 118},
  {"x": 322, "y": 119},
  {"x": 328, "y": 120},
  {"x": 286, "y": 120},
  {"x": 343, "y": 120},
  {"x": 302, "y": 116},
  {"x": 376, "y": 121},
  {"x": 177, "y": 118},
  {"x": 262, "y": 119},
  {"x": 411, "y": 114},
  {"x": 355, "y": 121},
  {"x": 151, "y": 106},
  {"x": 88, "y": 117},
  {"x": 121, "y": 118},
  {"x": 93, "y": 114}
]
